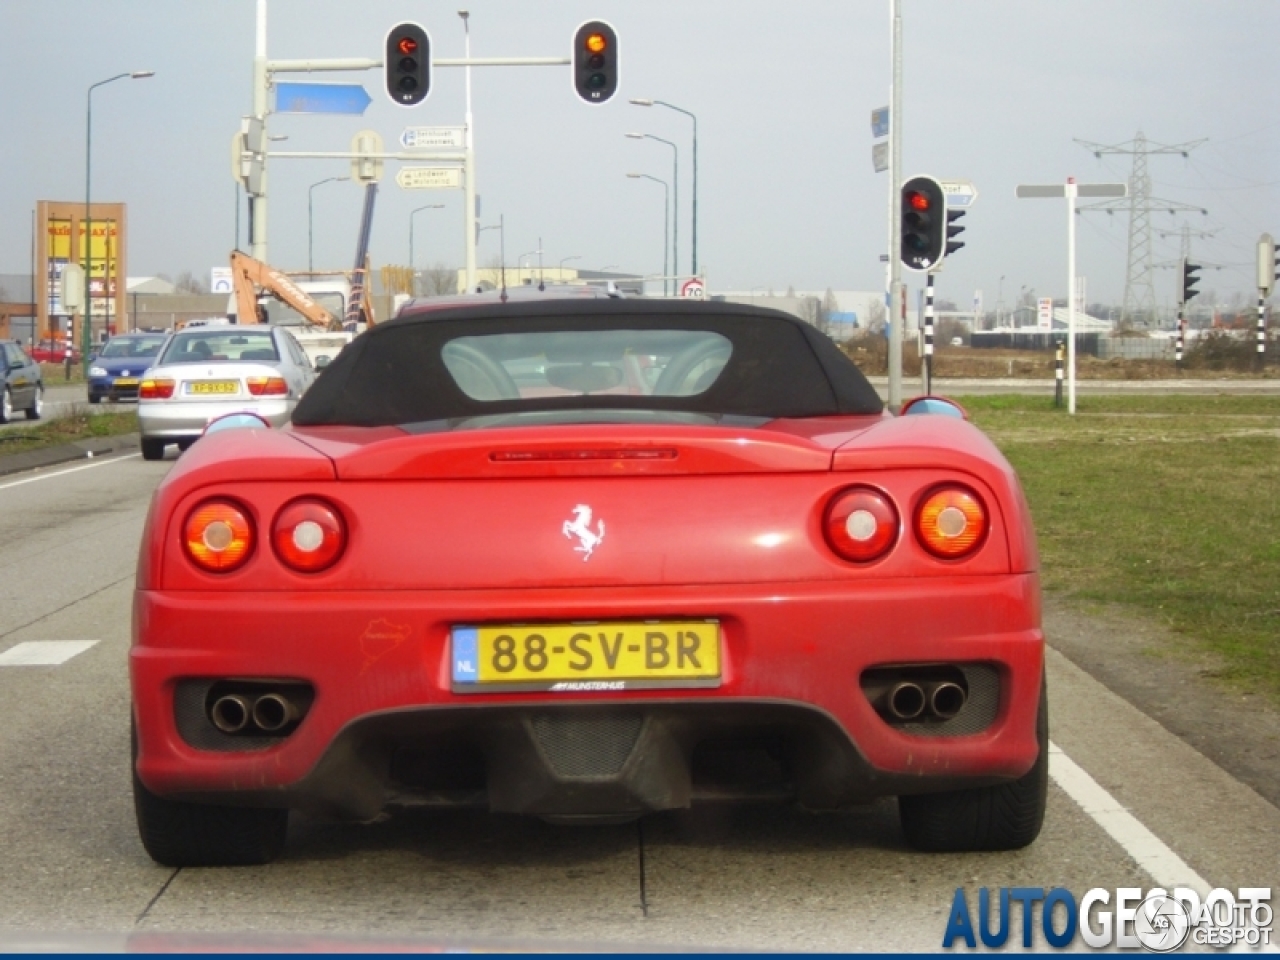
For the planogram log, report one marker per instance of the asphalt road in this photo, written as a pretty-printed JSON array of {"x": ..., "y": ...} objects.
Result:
[{"x": 1131, "y": 805}]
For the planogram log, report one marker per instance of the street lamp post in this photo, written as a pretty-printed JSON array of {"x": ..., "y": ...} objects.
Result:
[
  {"x": 666, "y": 221},
  {"x": 672, "y": 106},
  {"x": 88, "y": 220},
  {"x": 429, "y": 206},
  {"x": 311, "y": 266},
  {"x": 500, "y": 226},
  {"x": 563, "y": 261},
  {"x": 469, "y": 161},
  {"x": 675, "y": 198}
]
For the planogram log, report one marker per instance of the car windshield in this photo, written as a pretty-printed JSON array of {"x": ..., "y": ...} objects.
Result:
[
  {"x": 221, "y": 346},
  {"x": 133, "y": 347},
  {"x": 633, "y": 363}
]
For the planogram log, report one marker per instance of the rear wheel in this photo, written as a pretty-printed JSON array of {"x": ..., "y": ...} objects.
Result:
[
  {"x": 179, "y": 834},
  {"x": 36, "y": 410},
  {"x": 152, "y": 449},
  {"x": 6, "y": 406},
  {"x": 1007, "y": 816},
  {"x": 95, "y": 398}
]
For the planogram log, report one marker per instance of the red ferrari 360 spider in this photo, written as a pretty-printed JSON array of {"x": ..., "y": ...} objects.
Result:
[{"x": 585, "y": 560}]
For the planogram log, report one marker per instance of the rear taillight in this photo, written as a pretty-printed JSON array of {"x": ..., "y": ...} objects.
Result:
[
  {"x": 861, "y": 524},
  {"x": 309, "y": 535},
  {"x": 266, "y": 386},
  {"x": 218, "y": 536},
  {"x": 155, "y": 389},
  {"x": 951, "y": 522}
]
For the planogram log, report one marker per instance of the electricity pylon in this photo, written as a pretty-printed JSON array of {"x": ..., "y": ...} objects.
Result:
[{"x": 1139, "y": 282}]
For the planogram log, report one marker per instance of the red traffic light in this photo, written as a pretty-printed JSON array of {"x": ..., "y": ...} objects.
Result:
[
  {"x": 407, "y": 64},
  {"x": 917, "y": 200}
]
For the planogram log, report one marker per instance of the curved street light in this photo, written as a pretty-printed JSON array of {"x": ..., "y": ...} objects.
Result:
[
  {"x": 311, "y": 219},
  {"x": 87, "y": 332},
  {"x": 412, "y": 214},
  {"x": 645, "y": 102},
  {"x": 675, "y": 193},
  {"x": 563, "y": 261},
  {"x": 666, "y": 223}
]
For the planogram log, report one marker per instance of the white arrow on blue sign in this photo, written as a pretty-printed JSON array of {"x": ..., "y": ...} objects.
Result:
[{"x": 348, "y": 98}]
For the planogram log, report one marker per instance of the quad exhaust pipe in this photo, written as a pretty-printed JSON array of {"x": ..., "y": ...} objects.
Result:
[
  {"x": 946, "y": 700},
  {"x": 231, "y": 713},
  {"x": 907, "y": 700},
  {"x": 268, "y": 713},
  {"x": 272, "y": 712}
]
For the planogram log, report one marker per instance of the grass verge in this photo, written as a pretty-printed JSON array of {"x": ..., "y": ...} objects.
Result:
[
  {"x": 80, "y": 424},
  {"x": 1169, "y": 505}
]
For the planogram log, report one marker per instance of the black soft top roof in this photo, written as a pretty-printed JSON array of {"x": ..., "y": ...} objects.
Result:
[{"x": 394, "y": 373}]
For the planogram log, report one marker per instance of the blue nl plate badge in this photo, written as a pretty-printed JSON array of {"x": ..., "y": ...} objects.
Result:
[{"x": 465, "y": 668}]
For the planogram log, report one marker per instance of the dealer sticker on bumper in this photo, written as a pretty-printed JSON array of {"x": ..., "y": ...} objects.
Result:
[{"x": 578, "y": 657}]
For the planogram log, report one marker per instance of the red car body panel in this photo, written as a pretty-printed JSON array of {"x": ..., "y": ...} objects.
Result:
[{"x": 465, "y": 527}]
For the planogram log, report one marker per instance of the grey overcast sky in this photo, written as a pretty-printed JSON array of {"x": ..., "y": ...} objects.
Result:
[{"x": 995, "y": 91}]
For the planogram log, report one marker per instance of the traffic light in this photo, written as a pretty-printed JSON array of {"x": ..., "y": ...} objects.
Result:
[
  {"x": 408, "y": 64},
  {"x": 924, "y": 219},
  {"x": 595, "y": 61},
  {"x": 1267, "y": 264},
  {"x": 1189, "y": 280},
  {"x": 953, "y": 230}
]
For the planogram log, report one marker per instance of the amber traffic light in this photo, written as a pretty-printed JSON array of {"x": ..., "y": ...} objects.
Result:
[{"x": 595, "y": 61}]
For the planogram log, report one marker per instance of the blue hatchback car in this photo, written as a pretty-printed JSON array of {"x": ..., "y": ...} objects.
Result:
[{"x": 114, "y": 374}]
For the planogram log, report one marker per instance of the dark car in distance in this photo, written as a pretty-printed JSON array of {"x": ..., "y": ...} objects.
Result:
[
  {"x": 21, "y": 384},
  {"x": 114, "y": 374}
]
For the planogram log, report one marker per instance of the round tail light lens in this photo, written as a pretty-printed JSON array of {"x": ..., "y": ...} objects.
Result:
[
  {"x": 861, "y": 524},
  {"x": 218, "y": 536},
  {"x": 309, "y": 535},
  {"x": 951, "y": 522}
]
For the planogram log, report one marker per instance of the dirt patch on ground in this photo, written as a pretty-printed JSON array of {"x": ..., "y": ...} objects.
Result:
[{"x": 1164, "y": 677}]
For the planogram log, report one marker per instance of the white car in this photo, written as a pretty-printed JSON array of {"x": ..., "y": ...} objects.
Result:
[{"x": 208, "y": 372}]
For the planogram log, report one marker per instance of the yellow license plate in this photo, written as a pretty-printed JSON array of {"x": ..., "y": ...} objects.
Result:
[
  {"x": 573, "y": 657},
  {"x": 214, "y": 386},
  {"x": 126, "y": 381}
]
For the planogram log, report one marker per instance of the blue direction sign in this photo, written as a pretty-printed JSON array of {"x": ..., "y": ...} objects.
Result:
[{"x": 349, "y": 98}]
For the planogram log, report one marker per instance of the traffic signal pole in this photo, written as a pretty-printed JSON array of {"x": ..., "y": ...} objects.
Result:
[
  {"x": 258, "y": 202},
  {"x": 897, "y": 299}
]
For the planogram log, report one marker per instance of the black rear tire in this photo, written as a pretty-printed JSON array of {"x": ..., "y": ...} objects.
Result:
[
  {"x": 179, "y": 834},
  {"x": 1007, "y": 816},
  {"x": 152, "y": 449}
]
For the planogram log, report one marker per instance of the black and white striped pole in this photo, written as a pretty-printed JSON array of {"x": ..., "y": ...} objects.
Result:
[
  {"x": 1267, "y": 264},
  {"x": 1177, "y": 349},
  {"x": 928, "y": 334},
  {"x": 1058, "y": 371},
  {"x": 1262, "y": 330}
]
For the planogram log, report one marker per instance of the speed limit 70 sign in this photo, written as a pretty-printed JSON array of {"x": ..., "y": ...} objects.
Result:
[{"x": 693, "y": 287}]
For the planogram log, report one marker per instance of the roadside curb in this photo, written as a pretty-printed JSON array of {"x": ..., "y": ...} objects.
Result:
[{"x": 67, "y": 452}]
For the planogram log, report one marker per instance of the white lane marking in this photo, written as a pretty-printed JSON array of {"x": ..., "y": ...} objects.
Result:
[
  {"x": 43, "y": 653},
  {"x": 1152, "y": 854},
  {"x": 63, "y": 473}
]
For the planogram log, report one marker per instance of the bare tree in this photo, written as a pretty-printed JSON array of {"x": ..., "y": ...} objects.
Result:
[
  {"x": 188, "y": 282},
  {"x": 438, "y": 280},
  {"x": 876, "y": 317}
]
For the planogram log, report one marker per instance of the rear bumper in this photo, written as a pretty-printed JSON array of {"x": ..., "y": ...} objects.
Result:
[
  {"x": 110, "y": 388},
  {"x": 184, "y": 419},
  {"x": 385, "y": 726}
]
